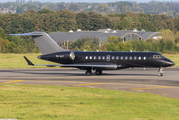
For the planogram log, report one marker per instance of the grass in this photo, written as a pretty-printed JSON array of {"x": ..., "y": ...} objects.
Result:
[
  {"x": 17, "y": 60},
  {"x": 35, "y": 102},
  {"x": 174, "y": 58}
]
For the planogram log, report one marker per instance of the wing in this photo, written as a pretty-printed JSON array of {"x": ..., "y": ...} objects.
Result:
[{"x": 80, "y": 65}]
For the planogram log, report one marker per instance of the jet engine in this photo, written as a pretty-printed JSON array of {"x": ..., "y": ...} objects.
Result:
[{"x": 59, "y": 57}]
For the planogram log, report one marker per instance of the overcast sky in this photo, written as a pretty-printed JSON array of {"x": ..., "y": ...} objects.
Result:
[{"x": 100, "y": 1}]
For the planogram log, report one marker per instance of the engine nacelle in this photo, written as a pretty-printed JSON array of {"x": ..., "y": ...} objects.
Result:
[{"x": 60, "y": 57}]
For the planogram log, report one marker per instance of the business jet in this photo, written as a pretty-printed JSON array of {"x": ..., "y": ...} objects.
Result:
[{"x": 94, "y": 61}]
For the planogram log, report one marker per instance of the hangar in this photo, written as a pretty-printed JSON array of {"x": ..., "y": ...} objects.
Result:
[{"x": 102, "y": 35}]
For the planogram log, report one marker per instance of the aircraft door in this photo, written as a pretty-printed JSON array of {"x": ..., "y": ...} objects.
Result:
[{"x": 108, "y": 58}]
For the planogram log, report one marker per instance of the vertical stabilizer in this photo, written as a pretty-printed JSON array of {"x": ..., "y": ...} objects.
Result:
[{"x": 44, "y": 42}]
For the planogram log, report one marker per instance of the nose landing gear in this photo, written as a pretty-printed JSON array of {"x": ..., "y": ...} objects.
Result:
[{"x": 160, "y": 72}]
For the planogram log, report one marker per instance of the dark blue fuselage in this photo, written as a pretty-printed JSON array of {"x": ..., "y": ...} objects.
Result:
[{"x": 122, "y": 59}]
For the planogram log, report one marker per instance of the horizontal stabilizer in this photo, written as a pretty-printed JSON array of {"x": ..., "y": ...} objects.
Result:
[
  {"x": 25, "y": 34},
  {"x": 28, "y": 61}
]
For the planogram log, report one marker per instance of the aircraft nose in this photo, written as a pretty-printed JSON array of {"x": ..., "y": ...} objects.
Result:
[
  {"x": 168, "y": 62},
  {"x": 171, "y": 63}
]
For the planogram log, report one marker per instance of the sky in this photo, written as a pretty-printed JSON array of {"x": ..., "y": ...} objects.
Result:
[{"x": 100, "y": 1}]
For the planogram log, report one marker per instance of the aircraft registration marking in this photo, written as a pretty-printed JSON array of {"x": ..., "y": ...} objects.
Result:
[
  {"x": 149, "y": 88},
  {"x": 12, "y": 81},
  {"x": 87, "y": 84}
]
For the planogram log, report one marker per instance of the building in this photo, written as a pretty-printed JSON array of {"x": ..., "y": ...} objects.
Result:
[
  {"x": 20, "y": 1},
  {"x": 102, "y": 35}
]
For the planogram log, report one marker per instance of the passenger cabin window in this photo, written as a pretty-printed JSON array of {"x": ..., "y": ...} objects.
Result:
[
  {"x": 139, "y": 58},
  {"x": 103, "y": 57},
  {"x": 135, "y": 58},
  {"x": 86, "y": 57},
  {"x": 99, "y": 57},
  {"x": 117, "y": 57},
  {"x": 113, "y": 57},
  {"x": 94, "y": 57},
  {"x": 122, "y": 57},
  {"x": 130, "y": 57},
  {"x": 144, "y": 58},
  {"x": 90, "y": 57},
  {"x": 126, "y": 58},
  {"x": 156, "y": 56}
]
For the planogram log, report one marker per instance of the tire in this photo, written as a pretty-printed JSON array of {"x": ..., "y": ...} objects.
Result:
[
  {"x": 98, "y": 72},
  {"x": 160, "y": 74},
  {"x": 88, "y": 73}
]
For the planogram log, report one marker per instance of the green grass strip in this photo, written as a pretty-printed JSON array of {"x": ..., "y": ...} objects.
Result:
[
  {"x": 18, "y": 61},
  {"x": 35, "y": 102}
]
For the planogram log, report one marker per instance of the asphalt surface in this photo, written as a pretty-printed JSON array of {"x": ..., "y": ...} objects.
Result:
[{"x": 131, "y": 80}]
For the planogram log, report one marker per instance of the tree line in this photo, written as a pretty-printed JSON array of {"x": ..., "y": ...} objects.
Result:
[
  {"x": 153, "y": 7},
  {"x": 65, "y": 20}
]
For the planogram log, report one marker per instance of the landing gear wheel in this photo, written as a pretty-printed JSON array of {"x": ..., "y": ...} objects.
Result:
[
  {"x": 98, "y": 72},
  {"x": 160, "y": 72},
  {"x": 88, "y": 73}
]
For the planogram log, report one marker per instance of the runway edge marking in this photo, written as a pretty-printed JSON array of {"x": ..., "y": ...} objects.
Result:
[
  {"x": 12, "y": 81},
  {"x": 87, "y": 84},
  {"x": 149, "y": 88}
]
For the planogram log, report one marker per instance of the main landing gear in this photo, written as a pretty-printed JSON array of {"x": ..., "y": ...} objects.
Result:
[
  {"x": 89, "y": 72},
  {"x": 98, "y": 72},
  {"x": 160, "y": 72}
]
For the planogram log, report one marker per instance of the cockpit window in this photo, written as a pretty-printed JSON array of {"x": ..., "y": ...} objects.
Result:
[{"x": 156, "y": 56}]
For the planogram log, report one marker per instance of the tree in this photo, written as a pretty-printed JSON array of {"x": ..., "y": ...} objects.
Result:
[
  {"x": 103, "y": 8},
  {"x": 97, "y": 21},
  {"x": 86, "y": 43},
  {"x": 74, "y": 7},
  {"x": 114, "y": 39},
  {"x": 2, "y": 34},
  {"x": 69, "y": 19},
  {"x": 46, "y": 11},
  {"x": 14, "y": 25},
  {"x": 83, "y": 21},
  {"x": 167, "y": 35},
  {"x": 3, "y": 45}
]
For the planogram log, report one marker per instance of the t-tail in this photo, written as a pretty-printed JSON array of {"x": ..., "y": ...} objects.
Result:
[{"x": 44, "y": 42}]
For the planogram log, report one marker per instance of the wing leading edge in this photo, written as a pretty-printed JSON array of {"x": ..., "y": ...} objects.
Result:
[{"x": 72, "y": 65}]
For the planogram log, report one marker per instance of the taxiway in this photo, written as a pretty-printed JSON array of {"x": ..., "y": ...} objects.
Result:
[{"x": 131, "y": 80}]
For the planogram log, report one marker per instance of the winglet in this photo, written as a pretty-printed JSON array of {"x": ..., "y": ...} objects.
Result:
[{"x": 28, "y": 61}]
